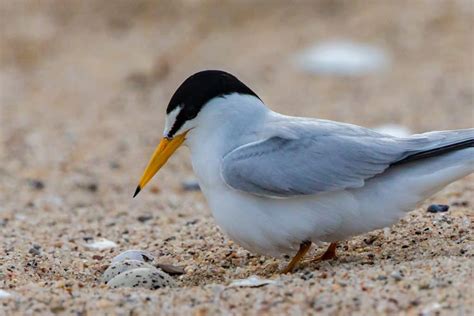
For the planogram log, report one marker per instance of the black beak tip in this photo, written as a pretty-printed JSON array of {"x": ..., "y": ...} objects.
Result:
[{"x": 137, "y": 191}]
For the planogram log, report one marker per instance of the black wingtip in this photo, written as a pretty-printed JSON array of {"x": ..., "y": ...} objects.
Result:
[{"x": 137, "y": 191}]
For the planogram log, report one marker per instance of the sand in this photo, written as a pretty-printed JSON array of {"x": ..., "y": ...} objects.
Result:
[{"x": 84, "y": 85}]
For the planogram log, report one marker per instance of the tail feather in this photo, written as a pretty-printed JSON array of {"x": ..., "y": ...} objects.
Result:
[
  {"x": 435, "y": 144},
  {"x": 436, "y": 152}
]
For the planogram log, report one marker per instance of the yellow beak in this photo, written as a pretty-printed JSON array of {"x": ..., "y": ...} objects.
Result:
[{"x": 163, "y": 151}]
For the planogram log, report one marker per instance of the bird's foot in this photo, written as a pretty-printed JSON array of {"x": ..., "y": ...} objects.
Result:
[
  {"x": 329, "y": 254},
  {"x": 304, "y": 247}
]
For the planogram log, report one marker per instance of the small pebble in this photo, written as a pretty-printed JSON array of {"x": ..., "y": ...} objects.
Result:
[
  {"x": 92, "y": 187},
  {"x": 193, "y": 222},
  {"x": 370, "y": 240},
  {"x": 36, "y": 184},
  {"x": 134, "y": 254},
  {"x": 122, "y": 266},
  {"x": 89, "y": 186},
  {"x": 190, "y": 185},
  {"x": 155, "y": 189},
  {"x": 461, "y": 203},
  {"x": 424, "y": 286},
  {"x": 307, "y": 275},
  {"x": 34, "y": 251},
  {"x": 149, "y": 278},
  {"x": 144, "y": 218},
  {"x": 396, "y": 275},
  {"x": 171, "y": 269},
  {"x": 437, "y": 208}
]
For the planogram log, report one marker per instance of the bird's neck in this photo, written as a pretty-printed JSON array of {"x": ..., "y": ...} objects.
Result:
[{"x": 224, "y": 124}]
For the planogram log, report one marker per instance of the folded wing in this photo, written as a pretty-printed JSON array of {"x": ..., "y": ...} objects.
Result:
[{"x": 307, "y": 159}]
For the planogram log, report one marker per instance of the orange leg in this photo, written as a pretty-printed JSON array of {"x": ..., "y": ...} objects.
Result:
[
  {"x": 304, "y": 247},
  {"x": 329, "y": 254}
]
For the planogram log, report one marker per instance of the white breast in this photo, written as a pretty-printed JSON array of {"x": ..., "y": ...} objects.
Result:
[{"x": 278, "y": 226}]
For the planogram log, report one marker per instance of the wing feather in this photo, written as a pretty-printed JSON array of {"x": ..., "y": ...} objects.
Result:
[{"x": 306, "y": 158}]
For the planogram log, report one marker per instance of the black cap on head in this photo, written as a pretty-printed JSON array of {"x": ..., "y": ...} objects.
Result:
[{"x": 198, "y": 89}]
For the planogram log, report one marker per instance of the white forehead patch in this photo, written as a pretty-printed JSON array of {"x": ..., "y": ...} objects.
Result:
[{"x": 170, "y": 119}]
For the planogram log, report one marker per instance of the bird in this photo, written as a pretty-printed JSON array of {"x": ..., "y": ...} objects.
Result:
[{"x": 276, "y": 184}]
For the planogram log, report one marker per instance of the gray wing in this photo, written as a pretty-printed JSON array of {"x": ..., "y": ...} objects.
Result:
[{"x": 307, "y": 159}]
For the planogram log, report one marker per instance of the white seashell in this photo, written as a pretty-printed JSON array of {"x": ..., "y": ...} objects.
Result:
[
  {"x": 343, "y": 58},
  {"x": 149, "y": 278},
  {"x": 252, "y": 281},
  {"x": 121, "y": 266},
  {"x": 4, "y": 294},
  {"x": 101, "y": 244},
  {"x": 134, "y": 254},
  {"x": 431, "y": 309}
]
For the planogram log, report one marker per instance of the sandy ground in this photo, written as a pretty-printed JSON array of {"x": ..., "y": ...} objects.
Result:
[{"x": 84, "y": 85}]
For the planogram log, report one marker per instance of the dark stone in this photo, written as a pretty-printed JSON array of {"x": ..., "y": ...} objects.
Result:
[
  {"x": 437, "y": 208},
  {"x": 192, "y": 222},
  {"x": 34, "y": 251},
  {"x": 90, "y": 186},
  {"x": 36, "y": 184},
  {"x": 190, "y": 185},
  {"x": 307, "y": 275},
  {"x": 370, "y": 240},
  {"x": 144, "y": 218}
]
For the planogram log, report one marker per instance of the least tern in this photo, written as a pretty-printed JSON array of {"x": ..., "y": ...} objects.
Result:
[{"x": 276, "y": 183}]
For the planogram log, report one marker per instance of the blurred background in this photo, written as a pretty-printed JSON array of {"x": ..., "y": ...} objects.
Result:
[{"x": 84, "y": 84}]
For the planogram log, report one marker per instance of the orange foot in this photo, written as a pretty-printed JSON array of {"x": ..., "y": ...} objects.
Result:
[
  {"x": 329, "y": 254},
  {"x": 304, "y": 247}
]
